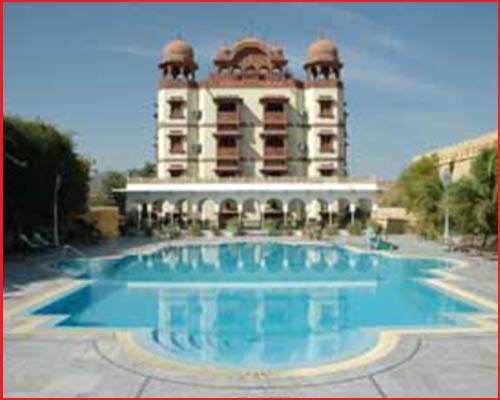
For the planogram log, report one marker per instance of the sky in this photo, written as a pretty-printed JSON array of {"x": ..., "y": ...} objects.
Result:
[{"x": 417, "y": 76}]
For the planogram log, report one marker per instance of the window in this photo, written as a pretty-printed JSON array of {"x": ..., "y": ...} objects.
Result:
[
  {"x": 326, "y": 108},
  {"x": 176, "y": 109},
  {"x": 227, "y": 107},
  {"x": 175, "y": 173},
  {"x": 274, "y": 142},
  {"x": 176, "y": 170},
  {"x": 275, "y": 107},
  {"x": 177, "y": 144},
  {"x": 227, "y": 142},
  {"x": 326, "y": 144},
  {"x": 326, "y": 172}
]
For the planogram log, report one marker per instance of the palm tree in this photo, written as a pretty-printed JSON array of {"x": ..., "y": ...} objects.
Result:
[
  {"x": 420, "y": 191},
  {"x": 474, "y": 198}
]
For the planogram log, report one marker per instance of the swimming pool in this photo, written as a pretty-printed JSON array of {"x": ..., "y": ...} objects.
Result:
[{"x": 268, "y": 305}]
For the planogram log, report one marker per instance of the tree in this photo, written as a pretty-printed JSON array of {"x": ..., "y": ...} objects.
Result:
[
  {"x": 146, "y": 171},
  {"x": 421, "y": 193},
  {"x": 112, "y": 180},
  {"x": 474, "y": 198},
  {"x": 103, "y": 185},
  {"x": 38, "y": 154}
]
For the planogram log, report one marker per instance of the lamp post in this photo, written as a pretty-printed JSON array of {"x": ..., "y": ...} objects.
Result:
[
  {"x": 445, "y": 177},
  {"x": 57, "y": 186}
]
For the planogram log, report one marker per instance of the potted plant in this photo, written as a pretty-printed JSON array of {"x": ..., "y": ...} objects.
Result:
[
  {"x": 194, "y": 229},
  {"x": 330, "y": 231},
  {"x": 355, "y": 228},
  {"x": 232, "y": 228}
]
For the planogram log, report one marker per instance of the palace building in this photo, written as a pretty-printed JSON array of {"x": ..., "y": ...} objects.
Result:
[
  {"x": 250, "y": 138},
  {"x": 251, "y": 117}
]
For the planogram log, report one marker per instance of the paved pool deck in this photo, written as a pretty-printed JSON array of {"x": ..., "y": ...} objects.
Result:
[{"x": 70, "y": 365}]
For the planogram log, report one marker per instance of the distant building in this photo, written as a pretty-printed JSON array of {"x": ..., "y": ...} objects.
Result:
[{"x": 458, "y": 157}]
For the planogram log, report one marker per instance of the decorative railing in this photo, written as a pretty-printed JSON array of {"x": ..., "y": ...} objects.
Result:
[
  {"x": 251, "y": 179},
  {"x": 228, "y": 117},
  {"x": 275, "y": 118},
  {"x": 227, "y": 163},
  {"x": 228, "y": 152},
  {"x": 275, "y": 152}
]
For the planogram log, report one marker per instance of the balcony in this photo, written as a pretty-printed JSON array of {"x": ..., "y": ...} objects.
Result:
[
  {"x": 274, "y": 131},
  {"x": 275, "y": 153},
  {"x": 177, "y": 149},
  {"x": 274, "y": 118},
  {"x": 227, "y": 168},
  {"x": 228, "y": 133},
  {"x": 228, "y": 153},
  {"x": 274, "y": 168},
  {"x": 228, "y": 118}
]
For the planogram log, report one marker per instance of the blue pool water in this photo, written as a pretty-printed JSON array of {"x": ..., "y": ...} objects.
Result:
[{"x": 257, "y": 305}]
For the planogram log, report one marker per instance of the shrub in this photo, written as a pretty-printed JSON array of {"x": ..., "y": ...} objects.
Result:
[
  {"x": 330, "y": 230},
  {"x": 374, "y": 225},
  {"x": 313, "y": 232},
  {"x": 173, "y": 231},
  {"x": 355, "y": 228},
  {"x": 287, "y": 227},
  {"x": 233, "y": 226},
  {"x": 270, "y": 225},
  {"x": 195, "y": 229},
  {"x": 213, "y": 228}
]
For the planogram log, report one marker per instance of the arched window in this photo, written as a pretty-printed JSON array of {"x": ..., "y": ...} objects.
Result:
[
  {"x": 250, "y": 71},
  {"x": 237, "y": 71},
  {"x": 325, "y": 72}
]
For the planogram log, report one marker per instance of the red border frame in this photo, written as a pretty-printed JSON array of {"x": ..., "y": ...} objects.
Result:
[{"x": 154, "y": 1}]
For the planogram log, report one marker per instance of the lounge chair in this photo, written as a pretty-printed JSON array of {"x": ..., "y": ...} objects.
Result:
[
  {"x": 377, "y": 243},
  {"x": 466, "y": 244},
  {"x": 32, "y": 245},
  {"x": 41, "y": 240}
]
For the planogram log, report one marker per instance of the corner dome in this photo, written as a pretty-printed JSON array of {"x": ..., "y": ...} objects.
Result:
[
  {"x": 322, "y": 50},
  {"x": 277, "y": 51},
  {"x": 177, "y": 50}
]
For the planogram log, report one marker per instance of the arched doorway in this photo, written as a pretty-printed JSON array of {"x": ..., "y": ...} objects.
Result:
[
  {"x": 182, "y": 213},
  {"x": 273, "y": 213},
  {"x": 228, "y": 212},
  {"x": 251, "y": 214},
  {"x": 207, "y": 213},
  {"x": 343, "y": 213},
  {"x": 318, "y": 212},
  {"x": 296, "y": 213}
]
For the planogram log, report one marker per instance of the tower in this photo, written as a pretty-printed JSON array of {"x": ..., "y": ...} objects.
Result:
[
  {"x": 324, "y": 97},
  {"x": 177, "y": 98}
]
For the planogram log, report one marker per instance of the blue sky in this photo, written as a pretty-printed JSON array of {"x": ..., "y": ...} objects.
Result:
[{"x": 417, "y": 75}]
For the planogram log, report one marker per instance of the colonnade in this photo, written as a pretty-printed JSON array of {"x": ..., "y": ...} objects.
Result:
[{"x": 251, "y": 213}]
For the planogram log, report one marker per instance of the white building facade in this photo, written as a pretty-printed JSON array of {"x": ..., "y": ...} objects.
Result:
[
  {"x": 248, "y": 135},
  {"x": 251, "y": 117}
]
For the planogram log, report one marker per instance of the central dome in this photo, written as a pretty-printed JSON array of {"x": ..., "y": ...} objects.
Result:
[{"x": 249, "y": 41}]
